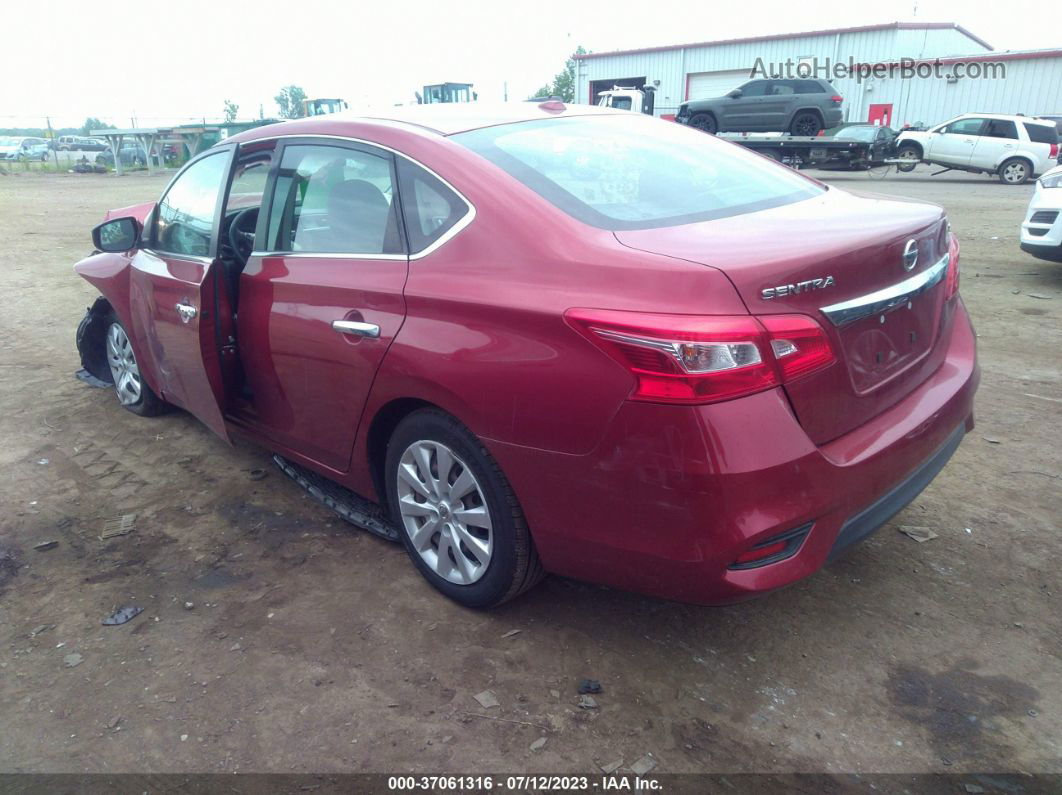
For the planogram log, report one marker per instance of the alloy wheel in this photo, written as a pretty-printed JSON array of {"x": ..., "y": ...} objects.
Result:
[
  {"x": 444, "y": 512},
  {"x": 1014, "y": 173},
  {"x": 806, "y": 124},
  {"x": 124, "y": 370}
]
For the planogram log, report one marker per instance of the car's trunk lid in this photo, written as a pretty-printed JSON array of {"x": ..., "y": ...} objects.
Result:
[{"x": 835, "y": 250}]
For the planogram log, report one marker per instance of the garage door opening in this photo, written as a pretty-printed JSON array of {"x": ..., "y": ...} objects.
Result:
[
  {"x": 708, "y": 85},
  {"x": 597, "y": 86}
]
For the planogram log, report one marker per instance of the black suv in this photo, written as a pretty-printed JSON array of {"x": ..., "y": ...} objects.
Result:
[{"x": 799, "y": 107}]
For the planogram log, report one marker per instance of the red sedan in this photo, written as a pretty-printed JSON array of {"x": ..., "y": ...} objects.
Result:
[{"x": 535, "y": 338}]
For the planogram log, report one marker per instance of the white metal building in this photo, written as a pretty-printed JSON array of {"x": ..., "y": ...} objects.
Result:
[{"x": 1028, "y": 82}]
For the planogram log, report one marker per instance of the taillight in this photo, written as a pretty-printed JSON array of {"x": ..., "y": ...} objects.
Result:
[
  {"x": 798, "y": 343},
  {"x": 705, "y": 359},
  {"x": 951, "y": 281},
  {"x": 837, "y": 98},
  {"x": 1054, "y": 150}
]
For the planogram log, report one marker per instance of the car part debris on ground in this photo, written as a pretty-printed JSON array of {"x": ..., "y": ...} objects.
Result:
[
  {"x": 118, "y": 526},
  {"x": 122, "y": 615}
]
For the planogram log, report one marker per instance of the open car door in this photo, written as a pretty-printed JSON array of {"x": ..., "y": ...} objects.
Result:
[{"x": 176, "y": 293}]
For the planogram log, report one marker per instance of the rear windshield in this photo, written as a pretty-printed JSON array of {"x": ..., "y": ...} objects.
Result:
[
  {"x": 633, "y": 172},
  {"x": 1041, "y": 133},
  {"x": 857, "y": 134}
]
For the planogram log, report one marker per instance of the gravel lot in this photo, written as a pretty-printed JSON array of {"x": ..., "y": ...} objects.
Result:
[{"x": 310, "y": 646}]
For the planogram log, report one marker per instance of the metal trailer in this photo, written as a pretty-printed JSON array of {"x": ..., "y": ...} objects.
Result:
[{"x": 800, "y": 151}]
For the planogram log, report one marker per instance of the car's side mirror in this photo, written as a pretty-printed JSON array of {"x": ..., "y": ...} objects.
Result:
[
  {"x": 116, "y": 235},
  {"x": 735, "y": 93}
]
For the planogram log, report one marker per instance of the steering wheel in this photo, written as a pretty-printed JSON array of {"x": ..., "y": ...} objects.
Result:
[{"x": 242, "y": 241}]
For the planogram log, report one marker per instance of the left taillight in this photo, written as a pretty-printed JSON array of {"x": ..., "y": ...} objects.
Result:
[{"x": 705, "y": 359}]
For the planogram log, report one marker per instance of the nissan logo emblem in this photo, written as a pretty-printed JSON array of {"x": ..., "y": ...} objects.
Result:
[{"x": 910, "y": 255}]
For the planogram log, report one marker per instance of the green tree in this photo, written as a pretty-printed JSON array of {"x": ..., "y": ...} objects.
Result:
[
  {"x": 289, "y": 100},
  {"x": 563, "y": 84},
  {"x": 92, "y": 123},
  {"x": 231, "y": 109}
]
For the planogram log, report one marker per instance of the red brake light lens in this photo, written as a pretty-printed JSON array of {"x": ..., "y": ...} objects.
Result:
[
  {"x": 1054, "y": 151},
  {"x": 798, "y": 343},
  {"x": 837, "y": 98},
  {"x": 705, "y": 359},
  {"x": 951, "y": 282}
]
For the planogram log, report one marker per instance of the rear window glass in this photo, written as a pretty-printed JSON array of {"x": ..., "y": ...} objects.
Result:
[
  {"x": 632, "y": 172},
  {"x": 1000, "y": 128},
  {"x": 1041, "y": 133},
  {"x": 430, "y": 208}
]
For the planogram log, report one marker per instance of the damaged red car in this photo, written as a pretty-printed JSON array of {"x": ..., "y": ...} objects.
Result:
[{"x": 539, "y": 338}]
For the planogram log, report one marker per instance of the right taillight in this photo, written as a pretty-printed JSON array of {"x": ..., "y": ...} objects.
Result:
[
  {"x": 951, "y": 281},
  {"x": 705, "y": 359}
]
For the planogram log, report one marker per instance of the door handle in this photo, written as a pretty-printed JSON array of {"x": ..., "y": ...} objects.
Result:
[
  {"x": 356, "y": 328},
  {"x": 187, "y": 312}
]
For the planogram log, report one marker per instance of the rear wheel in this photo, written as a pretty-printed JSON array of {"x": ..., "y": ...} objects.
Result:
[
  {"x": 806, "y": 123},
  {"x": 457, "y": 515},
  {"x": 705, "y": 122},
  {"x": 911, "y": 154},
  {"x": 1016, "y": 171},
  {"x": 133, "y": 392}
]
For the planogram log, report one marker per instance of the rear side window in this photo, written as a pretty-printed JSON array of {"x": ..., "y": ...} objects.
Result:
[
  {"x": 1041, "y": 133},
  {"x": 809, "y": 87},
  {"x": 333, "y": 200},
  {"x": 429, "y": 208},
  {"x": 1000, "y": 128},
  {"x": 632, "y": 172},
  {"x": 783, "y": 87}
]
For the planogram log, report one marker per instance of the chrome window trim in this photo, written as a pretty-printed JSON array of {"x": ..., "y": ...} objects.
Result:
[
  {"x": 450, "y": 233},
  {"x": 327, "y": 255},
  {"x": 887, "y": 298}
]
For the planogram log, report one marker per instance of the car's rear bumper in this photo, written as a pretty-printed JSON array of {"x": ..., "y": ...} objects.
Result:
[{"x": 673, "y": 495}]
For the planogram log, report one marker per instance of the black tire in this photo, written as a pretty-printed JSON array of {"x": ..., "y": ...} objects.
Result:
[
  {"x": 514, "y": 566},
  {"x": 806, "y": 122},
  {"x": 148, "y": 404},
  {"x": 705, "y": 122},
  {"x": 1015, "y": 171},
  {"x": 908, "y": 152}
]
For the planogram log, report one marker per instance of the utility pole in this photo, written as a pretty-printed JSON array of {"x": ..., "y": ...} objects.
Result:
[
  {"x": 51, "y": 142},
  {"x": 505, "y": 91}
]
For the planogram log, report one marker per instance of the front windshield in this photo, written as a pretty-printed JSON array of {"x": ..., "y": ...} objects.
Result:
[
  {"x": 634, "y": 172},
  {"x": 857, "y": 134}
]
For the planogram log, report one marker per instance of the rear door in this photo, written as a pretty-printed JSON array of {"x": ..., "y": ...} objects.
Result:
[
  {"x": 778, "y": 104},
  {"x": 176, "y": 293},
  {"x": 998, "y": 140},
  {"x": 320, "y": 299},
  {"x": 954, "y": 143}
]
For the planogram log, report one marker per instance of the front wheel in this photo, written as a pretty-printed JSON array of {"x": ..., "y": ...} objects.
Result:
[
  {"x": 1015, "y": 171},
  {"x": 705, "y": 122},
  {"x": 911, "y": 157},
  {"x": 458, "y": 517},
  {"x": 133, "y": 392}
]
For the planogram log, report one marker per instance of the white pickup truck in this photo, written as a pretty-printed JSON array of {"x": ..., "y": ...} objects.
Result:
[{"x": 1013, "y": 147}]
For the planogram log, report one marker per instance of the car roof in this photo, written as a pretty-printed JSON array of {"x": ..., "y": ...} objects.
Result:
[
  {"x": 443, "y": 119},
  {"x": 1011, "y": 117}
]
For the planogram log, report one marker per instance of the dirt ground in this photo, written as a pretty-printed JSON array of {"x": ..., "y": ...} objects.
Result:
[{"x": 311, "y": 646}]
